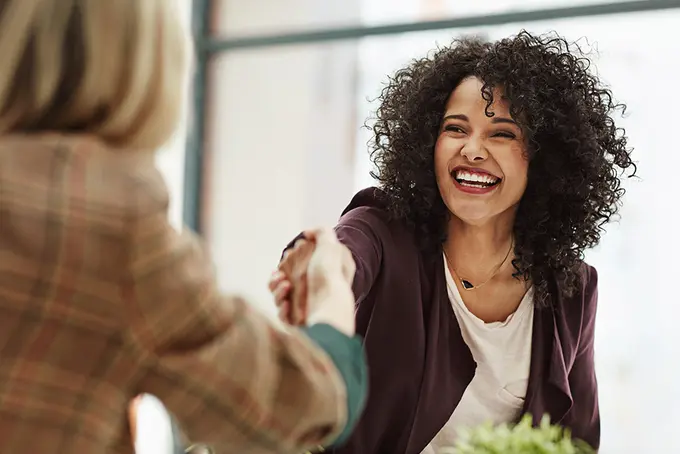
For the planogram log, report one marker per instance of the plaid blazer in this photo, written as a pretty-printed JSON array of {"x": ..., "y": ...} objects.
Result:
[{"x": 101, "y": 300}]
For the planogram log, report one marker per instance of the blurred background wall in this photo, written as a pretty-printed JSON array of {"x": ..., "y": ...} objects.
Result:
[{"x": 273, "y": 143}]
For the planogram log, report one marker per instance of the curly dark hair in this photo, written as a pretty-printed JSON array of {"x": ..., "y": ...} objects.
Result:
[{"x": 577, "y": 154}]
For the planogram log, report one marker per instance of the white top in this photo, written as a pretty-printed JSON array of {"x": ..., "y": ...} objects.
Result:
[{"x": 502, "y": 351}]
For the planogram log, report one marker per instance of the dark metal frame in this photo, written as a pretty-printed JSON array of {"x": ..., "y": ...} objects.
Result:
[
  {"x": 208, "y": 45},
  {"x": 193, "y": 159}
]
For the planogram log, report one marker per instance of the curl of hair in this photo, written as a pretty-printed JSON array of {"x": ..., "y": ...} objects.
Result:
[{"x": 577, "y": 154}]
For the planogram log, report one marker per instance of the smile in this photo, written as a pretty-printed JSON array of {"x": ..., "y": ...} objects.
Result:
[
  {"x": 474, "y": 182},
  {"x": 473, "y": 179}
]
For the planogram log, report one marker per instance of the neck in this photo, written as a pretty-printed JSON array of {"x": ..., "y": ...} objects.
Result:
[{"x": 477, "y": 248}]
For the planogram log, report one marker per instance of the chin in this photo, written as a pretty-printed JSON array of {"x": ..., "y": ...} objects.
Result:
[
  {"x": 479, "y": 214},
  {"x": 474, "y": 219},
  {"x": 471, "y": 213}
]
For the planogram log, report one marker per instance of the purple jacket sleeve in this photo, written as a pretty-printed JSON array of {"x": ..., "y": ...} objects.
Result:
[
  {"x": 582, "y": 380},
  {"x": 359, "y": 230}
]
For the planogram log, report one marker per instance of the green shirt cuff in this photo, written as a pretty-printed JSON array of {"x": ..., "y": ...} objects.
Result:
[{"x": 348, "y": 355}]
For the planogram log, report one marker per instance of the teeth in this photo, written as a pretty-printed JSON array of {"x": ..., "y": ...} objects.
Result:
[{"x": 475, "y": 177}]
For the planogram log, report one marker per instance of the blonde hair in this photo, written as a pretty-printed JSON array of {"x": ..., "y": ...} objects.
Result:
[{"x": 112, "y": 68}]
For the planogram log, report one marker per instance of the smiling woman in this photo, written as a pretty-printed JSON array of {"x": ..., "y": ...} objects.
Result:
[
  {"x": 481, "y": 152},
  {"x": 498, "y": 164}
]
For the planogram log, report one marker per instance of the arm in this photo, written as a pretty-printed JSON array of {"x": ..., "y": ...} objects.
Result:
[
  {"x": 229, "y": 377},
  {"x": 585, "y": 412},
  {"x": 360, "y": 231}
]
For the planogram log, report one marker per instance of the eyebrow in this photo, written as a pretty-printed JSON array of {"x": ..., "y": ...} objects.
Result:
[{"x": 494, "y": 119}]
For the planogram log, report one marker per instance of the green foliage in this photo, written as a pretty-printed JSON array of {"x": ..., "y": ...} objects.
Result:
[{"x": 521, "y": 438}]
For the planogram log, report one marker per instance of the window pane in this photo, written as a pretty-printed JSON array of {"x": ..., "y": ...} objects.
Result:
[{"x": 280, "y": 151}]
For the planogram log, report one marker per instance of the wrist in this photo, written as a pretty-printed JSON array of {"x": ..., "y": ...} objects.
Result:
[
  {"x": 333, "y": 305},
  {"x": 322, "y": 284}
]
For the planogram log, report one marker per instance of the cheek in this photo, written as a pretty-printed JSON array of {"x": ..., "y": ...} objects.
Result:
[
  {"x": 516, "y": 172},
  {"x": 444, "y": 150},
  {"x": 439, "y": 159},
  {"x": 513, "y": 163}
]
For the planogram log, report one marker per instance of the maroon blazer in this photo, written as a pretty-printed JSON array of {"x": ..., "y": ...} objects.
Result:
[{"x": 419, "y": 363}]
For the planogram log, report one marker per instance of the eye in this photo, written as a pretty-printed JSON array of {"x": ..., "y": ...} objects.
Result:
[
  {"x": 454, "y": 128},
  {"x": 504, "y": 135}
]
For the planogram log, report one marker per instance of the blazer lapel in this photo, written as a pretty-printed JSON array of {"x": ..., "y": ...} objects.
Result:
[
  {"x": 558, "y": 379},
  {"x": 449, "y": 367},
  {"x": 548, "y": 391}
]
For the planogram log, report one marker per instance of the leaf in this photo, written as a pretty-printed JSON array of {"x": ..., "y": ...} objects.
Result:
[{"x": 521, "y": 438}]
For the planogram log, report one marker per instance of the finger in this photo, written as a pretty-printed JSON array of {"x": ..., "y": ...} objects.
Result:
[
  {"x": 277, "y": 277},
  {"x": 133, "y": 407},
  {"x": 281, "y": 292},
  {"x": 297, "y": 245},
  {"x": 299, "y": 242},
  {"x": 287, "y": 312},
  {"x": 284, "y": 312}
]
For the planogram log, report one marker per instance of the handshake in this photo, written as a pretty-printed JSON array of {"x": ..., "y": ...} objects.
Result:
[{"x": 313, "y": 283}]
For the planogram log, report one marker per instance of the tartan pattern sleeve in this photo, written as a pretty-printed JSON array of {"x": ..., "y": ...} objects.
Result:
[
  {"x": 100, "y": 300},
  {"x": 229, "y": 376}
]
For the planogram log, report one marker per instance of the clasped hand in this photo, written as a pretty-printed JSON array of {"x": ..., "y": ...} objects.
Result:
[{"x": 313, "y": 282}]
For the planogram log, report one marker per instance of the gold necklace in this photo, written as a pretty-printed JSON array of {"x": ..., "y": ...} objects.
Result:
[{"x": 467, "y": 285}]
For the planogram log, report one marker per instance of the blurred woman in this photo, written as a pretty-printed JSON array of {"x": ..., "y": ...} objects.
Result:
[
  {"x": 101, "y": 299},
  {"x": 499, "y": 164}
]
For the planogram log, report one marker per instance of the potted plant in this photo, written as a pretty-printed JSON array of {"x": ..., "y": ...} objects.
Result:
[{"x": 521, "y": 438}]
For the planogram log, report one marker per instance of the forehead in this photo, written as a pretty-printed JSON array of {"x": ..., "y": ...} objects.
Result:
[{"x": 467, "y": 97}]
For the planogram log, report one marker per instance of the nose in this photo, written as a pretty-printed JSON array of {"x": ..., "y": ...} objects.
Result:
[{"x": 474, "y": 151}]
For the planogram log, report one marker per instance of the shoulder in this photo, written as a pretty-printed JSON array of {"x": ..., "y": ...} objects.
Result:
[
  {"x": 107, "y": 185},
  {"x": 367, "y": 205},
  {"x": 81, "y": 175},
  {"x": 579, "y": 309},
  {"x": 588, "y": 276},
  {"x": 131, "y": 179},
  {"x": 367, "y": 213},
  {"x": 368, "y": 228},
  {"x": 585, "y": 288},
  {"x": 126, "y": 182}
]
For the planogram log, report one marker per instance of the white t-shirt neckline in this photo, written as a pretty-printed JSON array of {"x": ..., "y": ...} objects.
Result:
[
  {"x": 502, "y": 351},
  {"x": 457, "y": 299}
]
